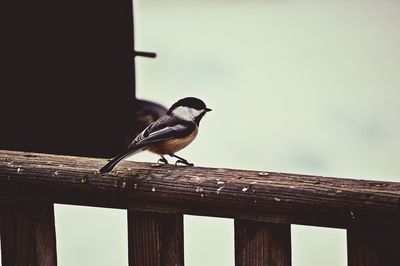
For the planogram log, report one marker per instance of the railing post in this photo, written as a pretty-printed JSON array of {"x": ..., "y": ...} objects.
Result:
[
  {"x": 28, "y": 234},
  {"x": 262, "y": 244},
  {"x": 373, "y": 246},
  {"x": 155, "y": 239}
]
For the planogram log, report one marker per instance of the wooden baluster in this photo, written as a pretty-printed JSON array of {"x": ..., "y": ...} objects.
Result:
[
  {"x": 155, "y": 239},
  {"x": 28, "y": 235},
  {"x": 261, "y": 244},
  {"x": 374, "y": 246}
]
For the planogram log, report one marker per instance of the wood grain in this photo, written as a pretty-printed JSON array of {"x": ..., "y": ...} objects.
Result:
[
  {"x": 247, "y": 195},
  {"x": 262, "y": 244},
  {"x": 373, "y": 246},
  {"x": 28, "y": 234},
  {"x": 155, "y": 239}
]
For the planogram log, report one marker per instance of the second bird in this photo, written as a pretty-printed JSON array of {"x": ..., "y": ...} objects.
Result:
[{"x": 169, "y": 134}]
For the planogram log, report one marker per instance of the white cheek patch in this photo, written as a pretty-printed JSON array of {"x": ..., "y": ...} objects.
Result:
[{"x": 186, "y": 113}]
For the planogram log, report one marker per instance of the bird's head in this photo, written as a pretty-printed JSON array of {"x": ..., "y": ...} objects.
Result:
[{"x": 189, "y": 108}]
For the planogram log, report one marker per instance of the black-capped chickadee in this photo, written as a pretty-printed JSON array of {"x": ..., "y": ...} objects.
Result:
[{"x": 169, "y": 134}]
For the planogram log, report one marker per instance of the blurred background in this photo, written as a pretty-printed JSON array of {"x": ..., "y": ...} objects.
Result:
[{"x": 300, "y": 86}]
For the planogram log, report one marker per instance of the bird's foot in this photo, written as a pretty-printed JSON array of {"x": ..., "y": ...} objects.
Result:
[
  {"x": 183, "y": 162},
  {"x": 163, "y": 160}
]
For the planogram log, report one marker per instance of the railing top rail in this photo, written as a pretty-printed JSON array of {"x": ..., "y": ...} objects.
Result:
[{"x": 251, "y": 195}]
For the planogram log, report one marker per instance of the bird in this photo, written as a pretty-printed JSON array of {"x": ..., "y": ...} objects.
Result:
[{"x": 167, "y": 135}]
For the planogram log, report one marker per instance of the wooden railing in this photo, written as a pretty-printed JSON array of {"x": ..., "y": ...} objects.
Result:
[{"x": 263, "y": 204}]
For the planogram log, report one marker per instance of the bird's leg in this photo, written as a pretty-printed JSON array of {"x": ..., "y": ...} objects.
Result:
[
  {"x": 181, "y": 160},
  {"x": 163, "y": 160}
]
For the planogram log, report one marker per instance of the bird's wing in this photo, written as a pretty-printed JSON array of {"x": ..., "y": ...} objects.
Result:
[{"x": 164, "y": 129}]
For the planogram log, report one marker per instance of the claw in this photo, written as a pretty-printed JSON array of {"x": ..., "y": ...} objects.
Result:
[
  {"x": 183, "y": 162},
  {"x": 163, "y": 160}
]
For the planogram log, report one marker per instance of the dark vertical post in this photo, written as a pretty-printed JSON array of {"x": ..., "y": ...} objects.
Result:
[
  {"x": 262, "y": 244},
  {"x": 28, "y": 235},
  {"x": 373, "y": 246},
  {"x": 155, "y": 239},
  {"x": 73, "y": 61}
]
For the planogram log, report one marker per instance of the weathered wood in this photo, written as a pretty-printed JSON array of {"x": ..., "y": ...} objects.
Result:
[
  {"x": 155, "y": 239},
  {"x": 262, "y": 244},
  {"x": 28, "y": 234},
  {"x": 373, "y": 246},
  {"x": 248, "y": 195}
]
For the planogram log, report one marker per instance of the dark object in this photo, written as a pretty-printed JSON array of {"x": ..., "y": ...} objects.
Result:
[
  {"x": 68, "y": 83},
  {"x": 145, "y": 54}
]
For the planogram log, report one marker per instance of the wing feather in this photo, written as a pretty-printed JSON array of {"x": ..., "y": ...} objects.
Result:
[{"x": 165, "y": 128}]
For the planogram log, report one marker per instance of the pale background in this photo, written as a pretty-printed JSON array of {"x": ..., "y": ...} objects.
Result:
[{"x": 310, "y": 87}]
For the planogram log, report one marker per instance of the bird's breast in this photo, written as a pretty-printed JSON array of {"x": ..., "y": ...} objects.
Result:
[{"x": 173, "y": 145}]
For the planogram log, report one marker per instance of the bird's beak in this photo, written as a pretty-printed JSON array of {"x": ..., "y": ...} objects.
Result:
[{"x": 208, "y": 109}]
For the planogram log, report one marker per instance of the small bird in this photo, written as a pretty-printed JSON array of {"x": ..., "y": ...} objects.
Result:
[{"x": 169, "y": 134}]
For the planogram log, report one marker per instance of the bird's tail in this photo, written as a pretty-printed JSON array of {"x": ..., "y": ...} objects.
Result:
[{"x": 111, "y": 164}]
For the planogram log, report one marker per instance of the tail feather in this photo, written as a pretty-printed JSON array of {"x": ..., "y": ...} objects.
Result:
[{"x": 111, "y": 164}]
